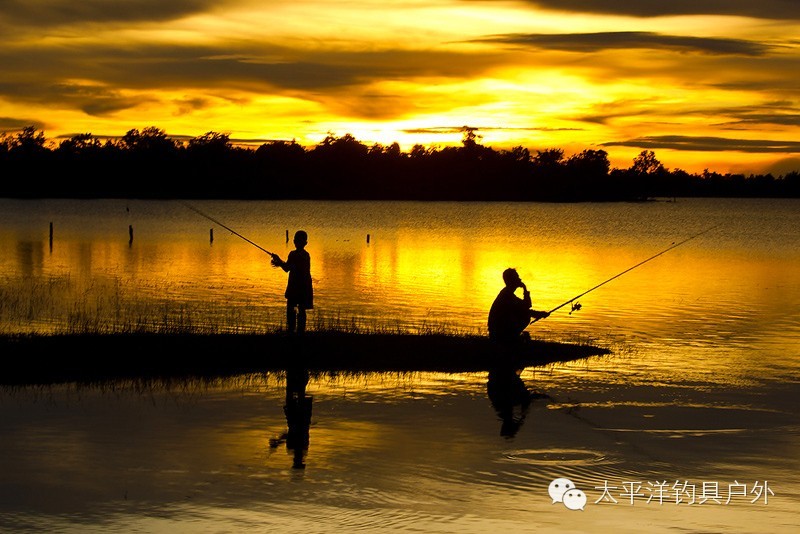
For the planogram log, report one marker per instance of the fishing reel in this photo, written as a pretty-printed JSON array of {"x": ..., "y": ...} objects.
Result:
[{"x": 575, "y": 307}]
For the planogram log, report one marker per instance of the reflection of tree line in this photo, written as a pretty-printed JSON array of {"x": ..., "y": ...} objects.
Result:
[{"x": 148, "y": 164}]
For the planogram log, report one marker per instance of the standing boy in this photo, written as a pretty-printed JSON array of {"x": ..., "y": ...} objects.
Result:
[{"x": 299, "y": 292}]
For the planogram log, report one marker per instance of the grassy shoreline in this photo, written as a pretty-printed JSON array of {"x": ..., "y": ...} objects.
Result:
[{"x": 43, "y": 359}]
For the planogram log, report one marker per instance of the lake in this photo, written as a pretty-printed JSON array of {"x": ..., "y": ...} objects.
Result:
[{"x": 690, "y": 424}]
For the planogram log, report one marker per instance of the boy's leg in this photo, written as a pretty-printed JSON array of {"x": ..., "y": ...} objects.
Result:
[
  {"x": 291, "y": 317},
  {"x": 301, "y": 320}
]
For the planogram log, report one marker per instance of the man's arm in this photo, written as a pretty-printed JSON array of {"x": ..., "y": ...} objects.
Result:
[
  {"x": 526, "y": 295},
  {"x": 526, "y": 298}
]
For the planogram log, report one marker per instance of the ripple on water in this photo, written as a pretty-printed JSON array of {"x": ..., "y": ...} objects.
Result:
[
  {"x": 556, "y": 456},
  {"x": 530, "y": 471}
]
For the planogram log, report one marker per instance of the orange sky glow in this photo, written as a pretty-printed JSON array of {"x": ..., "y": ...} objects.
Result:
[{"x": 704, "y": 84}]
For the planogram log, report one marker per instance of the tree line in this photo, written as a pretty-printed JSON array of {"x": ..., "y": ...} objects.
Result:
[{"x": 150, "y": 164}]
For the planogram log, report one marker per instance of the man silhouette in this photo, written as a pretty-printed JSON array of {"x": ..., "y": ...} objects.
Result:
[{"x": 509, "y": 314}]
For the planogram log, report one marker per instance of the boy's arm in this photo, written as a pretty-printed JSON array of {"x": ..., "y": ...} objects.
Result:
[{"x": 278, "y": 262}]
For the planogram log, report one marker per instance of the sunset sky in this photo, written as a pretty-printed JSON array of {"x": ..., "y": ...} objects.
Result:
[{"x": 703, "y": 83}]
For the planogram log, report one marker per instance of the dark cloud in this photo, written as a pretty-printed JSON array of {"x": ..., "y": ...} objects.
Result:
[
  {"x": 368, "y": 102},
  {"x": 15, "y": 124},
  {"x": 459, "y": 129},
  {"x": 306, "y": 72},
  {"x": 41, "y": 74},
  {"x": 781, "y": 113},
  {"x": 199, "y": 71},
  {"x": 188, "y": 105},
  {"x": 91, "y": 100},
  {"x": 595, "y": 42},
  {"x": 708, "y": 144},
  {"x": 44, "y": 13},
  {"x": 766, "y": 9},
  {"x": 766, "y": 78},
  {"x": 784, "y": 166},
  {"x": 779, "y": 119}
]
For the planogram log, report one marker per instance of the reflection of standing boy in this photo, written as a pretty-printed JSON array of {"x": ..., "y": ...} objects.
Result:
[{"x": 299, "y": 291}]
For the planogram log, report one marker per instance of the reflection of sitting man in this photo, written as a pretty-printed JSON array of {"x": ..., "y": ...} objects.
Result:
[
  {"x": 298, "y": 416},
  {"x": 509, "y": 314},
  {"x": 510, "y": 398}
]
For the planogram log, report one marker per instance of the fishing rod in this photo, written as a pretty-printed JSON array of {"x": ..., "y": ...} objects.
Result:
[
  {"x": 577, "y": 306},
  {"x": 231, "y": 230}
]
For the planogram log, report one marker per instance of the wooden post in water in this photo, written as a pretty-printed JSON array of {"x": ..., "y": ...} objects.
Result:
[
  {"x": 130, "y": 234},
  {"x": 211, "y": 235},
  {"x": 287, "y": 236},
  {"x": 367, "y": 239},
  {"x": 51, "y": 236}
]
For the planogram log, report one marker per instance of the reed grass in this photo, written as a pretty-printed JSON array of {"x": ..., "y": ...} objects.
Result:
[{"x": 60, "y": 305}]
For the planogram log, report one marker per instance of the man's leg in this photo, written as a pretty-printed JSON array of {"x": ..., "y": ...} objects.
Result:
[{"x": 301, "y": 320}]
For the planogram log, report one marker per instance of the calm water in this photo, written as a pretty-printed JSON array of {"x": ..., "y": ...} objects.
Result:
[{"x": 701, "y": 388}]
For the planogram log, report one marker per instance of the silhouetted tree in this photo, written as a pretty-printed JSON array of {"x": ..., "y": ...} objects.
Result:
[
  {"x": 791, "y": 182},
  {"x": 585, "y": 175},
  {"x": 5, "y": 143},
  {"x": 210, "y": 143},
  {"x": 653, "y": 178},
  {"x": 520, "y": 154},
  {"x": 283, "y": 166},
  {"x": 85, "y": 143},
  {"x": 338, "y": 168},
  {"x": 393, "y": 151},
  {"x": 646, "y": 163},
  {"x": 148, "y": 163},
  {"x": 549, "y": 159},
  {"x": 470, "y": 138},
  {"x": 151, "y": 139},
  {"x": 28, "y": 142},
  {"x": 419, "y": 152}
]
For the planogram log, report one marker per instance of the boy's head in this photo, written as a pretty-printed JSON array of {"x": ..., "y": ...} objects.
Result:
[{"x": 300, "y": 238}]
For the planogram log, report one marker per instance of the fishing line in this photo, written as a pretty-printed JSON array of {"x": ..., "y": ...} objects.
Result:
[
  {"x": 577, "y": 306},
  {"x": 231, "y": 230}
]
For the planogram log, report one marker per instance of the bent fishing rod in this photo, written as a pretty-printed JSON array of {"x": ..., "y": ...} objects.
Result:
[
  {"x": 577, "y": 306},
  {"x": 231, "y": 230}
]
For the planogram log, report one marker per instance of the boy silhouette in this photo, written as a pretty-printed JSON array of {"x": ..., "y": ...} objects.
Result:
[{"x": 299, "y": 291}]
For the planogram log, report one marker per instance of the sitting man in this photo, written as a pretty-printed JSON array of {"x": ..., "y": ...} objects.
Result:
[{"x": 509, "y": 314}]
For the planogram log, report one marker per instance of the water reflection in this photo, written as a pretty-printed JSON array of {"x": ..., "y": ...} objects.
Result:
[
  {"x": 508, "y": 394},
  {"x": 297, "y": 408},
  {"x": 394, "y": 453},
  {"x": 510, "y": 398},
  {"x": 29, "y": 258}
]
